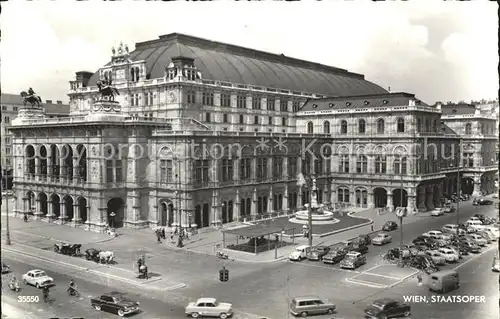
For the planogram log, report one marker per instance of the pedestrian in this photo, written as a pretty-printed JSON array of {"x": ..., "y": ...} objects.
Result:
[
  {"x": 158, "y": 236},
  {"x": 163, "y": 233},
  {"x": 172, "y": 238},
  {"x": 419, "y": 279},
  {"x": 25, "y": 217},
  {"x": 372, "y": 228},
  {"x": 139, "y": 264}
]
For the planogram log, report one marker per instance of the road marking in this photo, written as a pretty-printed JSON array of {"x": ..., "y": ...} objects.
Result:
[
  {"x": 379, "y": 275},
  {"x": 365, "y": 283},
  {"x": 326, "y": 267},
  {"x": 475, "y": 257}
]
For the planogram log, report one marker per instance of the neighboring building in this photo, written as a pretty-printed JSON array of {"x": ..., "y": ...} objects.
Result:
[
  {"x": 11, "y": 104},
  {"x": 479, "y": 131},
  {"x": 153, "y": 157}
]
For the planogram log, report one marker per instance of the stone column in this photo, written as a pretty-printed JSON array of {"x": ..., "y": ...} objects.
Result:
[
  {"x": 284, "y": 202},
  {"x": 411, "y": 204},
  {"x": 285, "y": 169},
  {"x": 371, "y": 203},
  {"x": 270, "y": 201},
  {"x": 49, "y": 166},
  {"x": 333, "y": 194},
  {"x": 237, "y": 206},
  {"x": 299, "y": 197},
  {"x": 38, "y": 211},
  {"x": 50, "y": 209},
  {"x": 254, "y": 202},
  {"x": 62, "y": 210},
  {"x": 430, "y": 197},
  {"x": 477, "y": 186},
  {"x": 422, "y": 199},
  {"x": 439, "y": 195},
  {"x": 38, "y": 168},
  {"x": 236, "y": 170},
  {"x": 390, "y": 204},
  {"x": 76, "y": 169},
  {"x": 62, "y": 168},
  {"x": 76, "y": 214}
]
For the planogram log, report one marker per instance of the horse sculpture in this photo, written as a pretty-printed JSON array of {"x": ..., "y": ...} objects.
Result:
[
  {"x": 107, "y": 90},
  {"x": 32, "y": 99}
]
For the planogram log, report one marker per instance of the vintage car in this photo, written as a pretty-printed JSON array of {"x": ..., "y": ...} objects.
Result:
[
  {"x": 482, "y": 201},
  {"x": 115, "y": 302},
  {"x": 452, "y": 229},
  {"x": 436, "y": 256},
  {"x": 470, "y": 245},
  {"x": 5, "y": 268},
  {"x": 363, "y": 240},
  {"x": 387, "y": 308},
  {"x": 37, "y": 278},
  {"x": 381, "y": 239},
  {"x": 336, "y": 254},
  {"x": 447, "y": 208},
  {"x": 353, "y": 260},
  {"x": 318, "y": 252},
  {"x": 450, "y": 255},
  {"x": 434, "y": 234},
  {"x": 209, "y": 307},
  {"x": 299, "y": 253},
  {"x": 496, "y": 264},
  {"x": 437, "y": 212},
  {"x": 355, "y": 245},
  {"x": 389, "y": 226},
  {"x": 478, "y": 239}
]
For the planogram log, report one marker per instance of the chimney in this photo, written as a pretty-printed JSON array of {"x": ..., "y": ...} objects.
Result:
[
  {"x": 478, "y": 110},
  {"x": 411, "y": 103},
  {"x": 438, "y": 105},
  {"x": 48, "y": 102},
  {"x": 83, "y": 77}
]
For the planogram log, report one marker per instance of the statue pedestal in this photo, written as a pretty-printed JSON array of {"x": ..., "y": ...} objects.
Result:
[
  {"x": 106, "y": 111},
  {"x": 28, "y": 114}
]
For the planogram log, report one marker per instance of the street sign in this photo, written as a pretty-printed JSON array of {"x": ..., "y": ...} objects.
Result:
[{"x": 400, "y": 212}]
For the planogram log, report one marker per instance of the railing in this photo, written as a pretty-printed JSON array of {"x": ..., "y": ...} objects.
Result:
[{"x": 264, "y": 217}]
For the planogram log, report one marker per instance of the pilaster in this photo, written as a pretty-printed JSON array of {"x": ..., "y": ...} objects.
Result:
[
  {"x": 390, "y": 204},
  {"x": 430, "y": 197}
]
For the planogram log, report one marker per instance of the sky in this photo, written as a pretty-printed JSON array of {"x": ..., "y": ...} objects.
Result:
[{"x": 437, "y": 50}]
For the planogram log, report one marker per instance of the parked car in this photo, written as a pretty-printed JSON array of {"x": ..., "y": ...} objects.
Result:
[
  {"x": 471, "y": 246},
  {"x": 488, "y": 236},
  {"x": 452, "y": 229},
  {"x": 481, "y": 217},
  {"x": 381, "y": 239},
  {"x": 423, "y": 241},
  {"x": 37, "y": 278},
  {"x": 461, "y": 247},
  {"x": 473, "y": 225},
  {"x": 434, "y": 234},
  {"x": 449, "y": 254},
  {"x": 336, "y": 254},
  {"x": 387, "y": 308},
  {"x": 496, "y": 264},
  {"x": 209, "y": 307},
  {"x": 355, "y": 246},
  {"x": 5, "y": 268},
  {"x": 318, "y": 252},
  {"x": 478, "y": 239},
  {"x": 353, "y": 260},
  {"x": 389, "y": 226},
  {"x": 474, "y": 218},
  {"x": 311, "y": 305},
  {"x": 482, "y": 201},
  {"x": 436, "y": 256},
  {"x": 364, "y": 240},
  {"x": 299, "y": 253},
  {"x": 437, "y": 212},
  {"x": 115, "y": 302},
  {"x": 447, "y": 237}
]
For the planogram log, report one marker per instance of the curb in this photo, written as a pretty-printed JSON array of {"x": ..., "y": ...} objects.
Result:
[
  {"x": 118, "y": 278},
  {"x": 60, "y": 240}
]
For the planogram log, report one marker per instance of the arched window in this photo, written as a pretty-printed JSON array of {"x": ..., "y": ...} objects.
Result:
[
  {"x": 399, "y": 165},
  {"x": 361, "y": 164},
  {"x": 343, "y": 195},
  {"x": 401, "y": 125},
  {"x": 468, "y": 128},
  {"x": 380, "y": 164},
  {"x": 344, "y": 164},
  {"x": 310, "y": 128},
  {"x": 326, "y": 127},
  {"x": 343, "y": 127},
  {"x": 419, "y": 124},
  {"x": 361, "y": 126},
  {"x": 380, "y": 126}
]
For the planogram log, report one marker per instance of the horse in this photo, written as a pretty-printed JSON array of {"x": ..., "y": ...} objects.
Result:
[
  {"x": 33, "y": 99},
  {"x": 107, "y": 91},
  {"x": 106, "y": 256}
]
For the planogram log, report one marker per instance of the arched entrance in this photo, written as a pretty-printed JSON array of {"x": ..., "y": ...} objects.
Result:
[
  {"x": 467, "y": 185},
  {"x": 400, "y": 197},
  {"x": 82, "y": 205},
  {"x": 248, "y": 210},
  {"x": 230, "y": 211},
  {"x": 42, "y": 198},
  {"x": 224, "y": 212},
  {"x": 380, "y": 197},
  {"x": 55, "y": 156},
  {"x": 242, "y": 208},
  {"x": 116, "y": 205},
  {"x": 43, "y": 161},
  {"x": 68, "y": 206},
  {"x": 56, "y": 205},
  {"x": 67, "y": 155},
  {"x": 197, "y": 215},
  {"x": 30, "y": 156},
  {"x": 206, "y": 216},
  {"x": 30, "y": 197},
  {"x": 361, "y": 196},
  {"x": 166, "y": 214}
]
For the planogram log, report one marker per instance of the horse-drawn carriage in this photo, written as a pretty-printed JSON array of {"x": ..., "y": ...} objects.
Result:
[
  {"x": 67, "y": 249},
  {"x": 99, "y": 256}
]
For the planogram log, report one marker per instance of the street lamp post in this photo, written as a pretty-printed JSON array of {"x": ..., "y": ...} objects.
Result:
[
  {"x": 7, "y": 231},
  {"x": 309, "y": 209},
  {"x": 400, "y": 214},
  {"x": 459, "y": 165}
]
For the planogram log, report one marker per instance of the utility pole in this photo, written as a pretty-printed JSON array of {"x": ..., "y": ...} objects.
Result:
[
  {"x": 458, "y": 186},
  {"x": 7, "y": 232},
  {"x": 400, "y": 214},
  {"x": 309, "y": 208}
]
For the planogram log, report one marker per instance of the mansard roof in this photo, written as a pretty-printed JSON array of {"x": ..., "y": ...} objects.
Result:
[
  {"x": 361, "y": 101},
  {"x": 230, "y": 63},
  {"x": 458, "y": 109}
]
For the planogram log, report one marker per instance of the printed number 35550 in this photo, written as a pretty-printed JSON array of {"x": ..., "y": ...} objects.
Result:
[{"x": 28, "y": 298}]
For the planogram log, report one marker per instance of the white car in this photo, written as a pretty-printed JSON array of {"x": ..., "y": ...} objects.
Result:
[
  {"x": 37, "y": 278},
  {"x": 435, "y": 234},
  {"x": 496, "y": 264},
  {"x": 452, "y": 229},
  {"x": 299, "y": 253},
  {"x": 437, "y": 212},
  {"x": 446, "y": 236},
  {"x": 209, "y": 307},
  {"x": 448, "y": 254},
  {"x": 494, "y": 232},
  {"x": 473, "y": 225},
  {"x": 474, "y": 218},
  {"x": 436, "y": 256},
  {"x": 381, "y": 239},
  {"x": 478, "y": 239}
]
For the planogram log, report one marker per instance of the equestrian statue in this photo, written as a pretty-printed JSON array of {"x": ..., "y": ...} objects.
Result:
[
  {"x": 107, "y": 90},
  {"x": 31, "y": 97}
]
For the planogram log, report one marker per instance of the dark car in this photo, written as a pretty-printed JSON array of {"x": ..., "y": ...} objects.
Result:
[
  {"x": 115, "y": 302},
  {"x": 483, "y": 201},
  {"x": 480, "y": 216},
  {"x": 5, "y": 268},
  {"x": 336, "y": 254},
  {"x": 387, "y": 308},
  {"x": 424, "y": 241},
  {"x": 389, "y": 226},
  {"x": 355, "y": 246},
  {"x": 471, "y": 246},
  {"x": 317, "y": 253},
  {"x": 364, "y": 240}
]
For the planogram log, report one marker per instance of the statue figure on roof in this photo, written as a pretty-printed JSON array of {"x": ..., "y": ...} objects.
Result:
[
  {"x": 126, "y": 48},
  {"x": 120, "y": 48},
  {"x": 31, "y": 97},
  {"x": 113, "y": 50},
  {"x": 107, "y": 90}
]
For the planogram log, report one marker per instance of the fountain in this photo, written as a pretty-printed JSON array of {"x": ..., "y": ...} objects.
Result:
[{"x": 320, "y": 215}]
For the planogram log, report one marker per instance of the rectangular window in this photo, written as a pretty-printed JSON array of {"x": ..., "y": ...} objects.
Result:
[
  {"x": 166, "y": 171},
  {"x": 344, "y": 164},
  {"x": 278, "y": 168},
  {"x": 14, "y": 108},
  {"x": 208, "y": 98},
  {"x": 225, "y": 99},
  {"x": 295, "y": 106},
  {"x": 191, "y": 97},
  {"x": 283, "y": 105},
  {"x": 270, "y": 121},
  {"x": 136, "y": 98},
  {"x": 256, "y": 102},
  {"x": 7, "y": 150},
  {"x": 227, "y": 170},
  {"x": 7, "y": 120},
  {"x": 283, "y": 121},
  {"x": 224, "y": 118},
  {"x": 241, "y": 101},
  {"x": 256, "y": 119},
  {"x": 262, "y": 168},
  {"x": 132, "y": 100},
  {"x": 318, "y": 167},
  {"x": 7, "y": 140},
  {"x": 151, "y": 98},
  {"x": 245, "y": 169},
  {"x": 146, "y": 98},
  {"x": 118, "y": 171},
  {"x": 242, "y": 119},
  {"x": 201, "y": 170},
  {"x": 270, "y": 103},
  {"x": 328, "y": 166},
  {"x": 207, "y": 117}
]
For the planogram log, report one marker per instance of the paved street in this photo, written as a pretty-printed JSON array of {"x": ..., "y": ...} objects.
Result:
[{"x": 248, "y": 287}]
